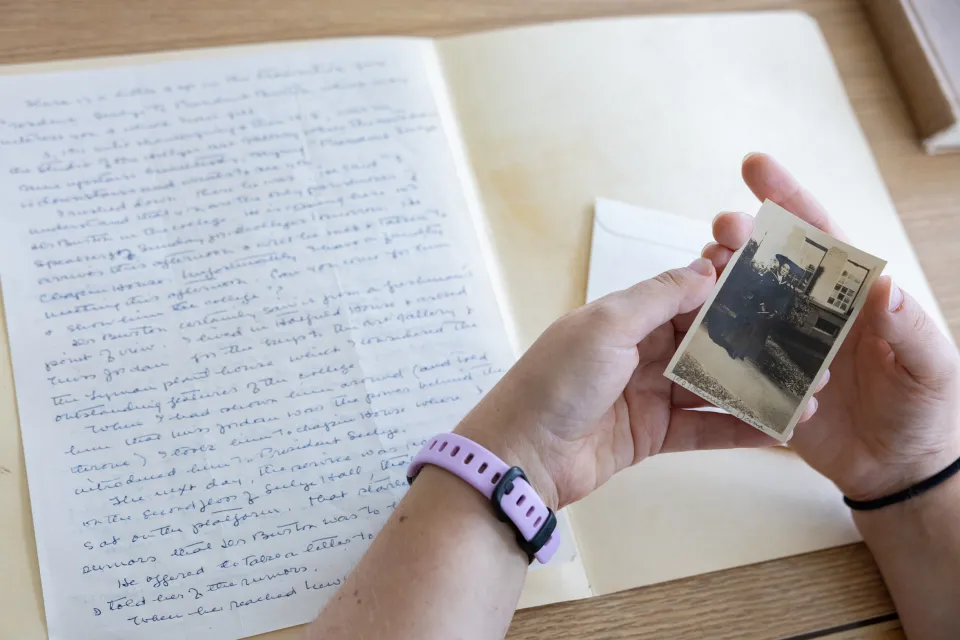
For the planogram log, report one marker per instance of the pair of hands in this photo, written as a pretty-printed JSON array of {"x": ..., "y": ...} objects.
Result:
[{"x": 589, "y": 397}]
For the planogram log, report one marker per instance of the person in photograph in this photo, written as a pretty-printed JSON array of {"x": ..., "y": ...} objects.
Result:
[{"x": 764, "y": 304}]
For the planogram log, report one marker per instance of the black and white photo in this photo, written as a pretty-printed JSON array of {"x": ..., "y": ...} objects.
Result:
[{"x": 774, "y": 321}]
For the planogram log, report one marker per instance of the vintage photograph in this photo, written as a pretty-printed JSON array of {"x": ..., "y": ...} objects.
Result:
[{"x": 775, "y": 320}]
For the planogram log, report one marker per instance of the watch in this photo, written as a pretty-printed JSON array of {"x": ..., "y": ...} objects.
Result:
[{"x": 514, "y": 500}]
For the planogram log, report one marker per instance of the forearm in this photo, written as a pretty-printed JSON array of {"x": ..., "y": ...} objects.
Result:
[
  {"x": 917, "y": 547},
  {"x": 442, "y": 567}
]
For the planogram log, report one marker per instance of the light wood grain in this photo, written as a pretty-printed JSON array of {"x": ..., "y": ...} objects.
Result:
[
  {"x": 880, "y": 631},
  {"x": 777, "y": 599},
  {"x": 816, "y": 595}
]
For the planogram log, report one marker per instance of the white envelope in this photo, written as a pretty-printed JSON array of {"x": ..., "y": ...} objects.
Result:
[{"x": 631, "y": 244}]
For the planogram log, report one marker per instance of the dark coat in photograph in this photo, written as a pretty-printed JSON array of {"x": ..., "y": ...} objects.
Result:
[{"x": 762, "y": 305}]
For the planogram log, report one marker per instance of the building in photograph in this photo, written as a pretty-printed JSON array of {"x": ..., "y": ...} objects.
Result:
[{"x": 831, "y": 283}]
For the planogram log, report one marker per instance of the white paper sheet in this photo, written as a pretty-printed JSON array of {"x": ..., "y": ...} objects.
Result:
[
  {"x": 240, "y": 293},
  {"x": 707, "y": 510}
]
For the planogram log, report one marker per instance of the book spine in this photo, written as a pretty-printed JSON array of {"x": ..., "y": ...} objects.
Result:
[{"x": 905, "y": 46}]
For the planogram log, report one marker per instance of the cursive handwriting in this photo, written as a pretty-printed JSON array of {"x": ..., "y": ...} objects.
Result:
[{"x": 242, "y": 293}]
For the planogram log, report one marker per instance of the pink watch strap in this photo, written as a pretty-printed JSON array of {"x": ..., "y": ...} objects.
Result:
[{"x": 485, "y": 472}]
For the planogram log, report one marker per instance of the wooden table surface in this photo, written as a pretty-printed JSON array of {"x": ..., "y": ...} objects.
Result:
[{"x": 835, "y": 594}]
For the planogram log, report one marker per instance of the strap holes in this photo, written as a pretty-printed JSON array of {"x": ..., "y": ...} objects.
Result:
[
  {"x": 455, "y": 451},
  {"x": 468, "y": 458},
  {"x": 483, "y": 467},
  {"x": 530, "y": 512},
  {"x": 495, "y": 478},
  {"x": 521, "y": 499},
  {"x": 442, "y": 447},
  {"x": 433, "y": 444},
  {"x": 536, "y": 522}
]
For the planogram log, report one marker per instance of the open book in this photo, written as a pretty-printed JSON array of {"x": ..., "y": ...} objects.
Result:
[{"x": 243, "y": 285}]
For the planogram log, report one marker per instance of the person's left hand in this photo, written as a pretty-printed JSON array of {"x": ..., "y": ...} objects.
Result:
[{"x": 589, "y": 398}]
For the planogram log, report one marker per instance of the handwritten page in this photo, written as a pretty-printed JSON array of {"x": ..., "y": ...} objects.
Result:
[{"x": 240, "y": 292}]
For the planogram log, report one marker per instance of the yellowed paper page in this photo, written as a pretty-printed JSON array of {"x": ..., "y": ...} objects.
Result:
[
  {"x": 659, "y": 112},
  {"x": 655, "y": 111}
]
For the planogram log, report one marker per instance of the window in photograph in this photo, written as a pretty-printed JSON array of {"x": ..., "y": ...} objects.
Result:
[
  {"x": 799, "y": 280},
  {"x": 846, "y": 288},
  {"x": 826, "y": 327}
]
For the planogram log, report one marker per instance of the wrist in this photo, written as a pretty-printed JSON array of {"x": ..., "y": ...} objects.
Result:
[
  {"x": 898, "y": 476},
  {"x": 517, "y": 451},
  {"x": 924, "y": 513}
]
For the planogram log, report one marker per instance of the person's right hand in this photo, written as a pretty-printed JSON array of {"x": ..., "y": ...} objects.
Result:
[{"x": 890, "y": 415}]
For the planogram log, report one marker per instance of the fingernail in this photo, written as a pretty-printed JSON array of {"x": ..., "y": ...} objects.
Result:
[
  {"x": 812, "y": 405},
  {"x": 896, "y": 297},
  {"x": 702, "y": 266},
  {"x": 747, "y": 157}
]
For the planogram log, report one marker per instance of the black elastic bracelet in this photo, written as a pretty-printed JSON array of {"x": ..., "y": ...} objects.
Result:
[{"x": 910, "y": 492}]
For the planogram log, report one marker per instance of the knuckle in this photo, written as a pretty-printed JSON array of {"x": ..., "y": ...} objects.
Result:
[
  {"x": 571, "y": 315},
  {"x": 921, "y": 322},
  {"x": 603, "y": 313},
  {"x": 567, "y": 323},
  {"x": 672, "y": 278}
]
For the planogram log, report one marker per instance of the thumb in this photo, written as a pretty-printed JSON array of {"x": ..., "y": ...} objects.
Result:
[
  {"x": 651, "y": 303},
  {"x": 917, "y": 344}
]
